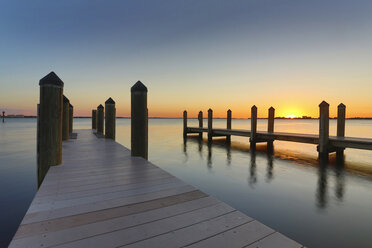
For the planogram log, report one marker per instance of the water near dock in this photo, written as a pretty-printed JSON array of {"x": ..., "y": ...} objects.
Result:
[{"x": 316, "y": 206}]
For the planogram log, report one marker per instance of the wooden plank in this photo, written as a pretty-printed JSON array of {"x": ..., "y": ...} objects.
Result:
[
  {"x": 275, "y": 240},
  {"x": 237, "y": 237}
]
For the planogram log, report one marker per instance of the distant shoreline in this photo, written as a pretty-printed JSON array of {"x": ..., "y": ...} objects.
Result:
[{"x": 278, "y": 118}]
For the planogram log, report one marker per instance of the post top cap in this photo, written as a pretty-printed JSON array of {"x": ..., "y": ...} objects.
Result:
[
  {"x": 229, "y": 110},
  {"x": 51, "y": 79},
  {"x": 254, "y": 107},
  {"x": 200, "y": 111},
  {"x": 323, "y": 103},
  {"x": 271, "y": 107},
  {"x": 184, "y": 111},
  {"x": 100, "y": 106},
  {"x": 65, "y": 99},
  {"x": 341, "y": 105},
  {"x": 110, "y": 101},
  {"x": 210, "y": 110},
  {"x": 138, "y": 87},
  {"x": 94, "y": 110}
]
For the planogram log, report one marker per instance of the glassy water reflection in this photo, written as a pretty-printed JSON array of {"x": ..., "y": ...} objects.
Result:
[{"x": 287, "y": 188}]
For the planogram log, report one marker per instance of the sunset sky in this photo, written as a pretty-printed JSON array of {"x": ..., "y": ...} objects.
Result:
[{"x": 191, "y": 54}]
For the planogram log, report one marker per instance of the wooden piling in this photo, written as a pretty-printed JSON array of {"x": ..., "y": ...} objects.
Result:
[
  {"x": 341, "y": 115},
  {"x": 110, "y": 119},
  {"x": 270, "y": 128},
  {"x": 65, "y": 119},
  {"x": 100, "y": 119},
  {"x": 200, "y": 118},
  {"x": 3, "y": 116},
  {"x": 210, "y": 125},
  {"x": 94, "y": 119},
  {"x": 228, "y": 125},
  {"x": 71, "y": 119},
  {"x": 50, "y": 124},
  {"x": 184, "y": 123},
  {"x": 253, "y": 124},
  {"x": 323, "y": 147},
  {"x": 139, "y": 121}
]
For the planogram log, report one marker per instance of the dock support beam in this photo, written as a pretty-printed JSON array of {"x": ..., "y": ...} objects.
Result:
[
  {"x": 184, "y": 124},
  {"x": 270, "y": 125},
  {"x": 100, "y": 119},
  {"x": 200, "y": 118},
  {"x": 341, "y": 115},
  {"x": 228, "y": 126},
  {"x": 253, "y": 125},
  {"x": 210, "y": 125},
  {"x": 323, "y": 147},
  {"x": 65, "y": 119},
  {"x": 50, "y": 124},
  {"x": 139, "y": 121},
  {"x": 94, "y": 119},
  {"x": 71, "y": 119},
  {"x": 110, "y": 119}
]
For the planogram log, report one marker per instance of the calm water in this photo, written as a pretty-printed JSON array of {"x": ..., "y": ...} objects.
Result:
[{"x": 317, "y": 206}]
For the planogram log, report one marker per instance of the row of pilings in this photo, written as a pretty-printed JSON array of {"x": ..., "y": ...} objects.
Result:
[
  {"x": 324, "y": 148},
  {"x": 55, "y": 122}
]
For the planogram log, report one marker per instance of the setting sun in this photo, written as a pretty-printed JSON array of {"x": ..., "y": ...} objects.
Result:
[{"x": 291, "y": 116}]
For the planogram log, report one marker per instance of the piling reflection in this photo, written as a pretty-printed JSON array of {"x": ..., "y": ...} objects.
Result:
[{"x": 323, "y": 167}]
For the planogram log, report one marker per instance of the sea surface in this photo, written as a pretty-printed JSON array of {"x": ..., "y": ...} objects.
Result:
[{"x": 316, "y": 205}]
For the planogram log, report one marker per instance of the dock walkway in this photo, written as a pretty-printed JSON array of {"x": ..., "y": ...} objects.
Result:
[{"x": 100, "y": 196}]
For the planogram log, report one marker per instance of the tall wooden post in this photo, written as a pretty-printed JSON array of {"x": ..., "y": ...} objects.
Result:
[
  {"x": 3, "y": 116},
  {"x": 253, "y": 124},
  {"x": 100, "y": 119},
  {"x": 200, "y": 118},
  {"x": 50, "y": 124},
  {"x": 185, "y": 124},
  {"x": 210, "y": 125},
  {"x": 65, "y": 119},
  {"x": 110, "y": 119},
  {"x": 94, "y": 119},
  {"x": 139, "y": 121},
  {"x": 341, "y": 115},
  {"x": 71, "y": 119},
  {"x": 228, "y": 125},
  {"x": 270, "y": 128},
  {"x": 323, "y": 129}
]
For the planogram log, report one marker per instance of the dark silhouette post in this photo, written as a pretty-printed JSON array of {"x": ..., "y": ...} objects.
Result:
[
  {"x": 341, "y": 115},
  {"x": 210, "y": 120},
  {"x": 94, "y": 119},
  {"x": 65, "y": 119},
  {"x": 139, "y": 120},
  {"x": 323, "y": 130},
  {"x": 50, "y": 124},
  {"x": 100, "y": 121},
  {"x": 110, "y": 119},
  {"x": 200, "y": 118},
  {"x": 270, "y": 126},
  {"x": 3, "y": 116},
  {"x": 185, "y": 124},
  {"x": 71, "y": 119},
  {"x": 253, "y": 125},
  {"x": 228, "y": 125}
]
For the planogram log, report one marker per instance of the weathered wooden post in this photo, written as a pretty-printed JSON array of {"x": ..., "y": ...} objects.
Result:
[
  {"x": 65, "y": 119},
  {"x": 110, "y": 119},
  {"x": 184, "y": 123},
  {"x": 71, "y": 119},
  {"x": 139, "y": 120},
  {"x": 210, "y": 120},
  {"x": 253, "y": 124},
  {"x": 228, "y": 125},
  {"x": 100, "y": 117},
  {"x": 94, "y": 119},
  {"x": 270, "y": 127},
  {"x": 341, "y": 115},
  {"x": 3, "y": 116},
  {"x": 50, "y": 124},
  {"x": 200, "y": 118},
  {"x": 323, "y": 130}
]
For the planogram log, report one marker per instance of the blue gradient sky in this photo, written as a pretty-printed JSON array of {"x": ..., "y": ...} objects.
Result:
[{"x": 191, "y": 54}]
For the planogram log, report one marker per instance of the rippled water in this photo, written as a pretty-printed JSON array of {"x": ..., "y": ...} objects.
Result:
[{"x": 319, "y": 206}]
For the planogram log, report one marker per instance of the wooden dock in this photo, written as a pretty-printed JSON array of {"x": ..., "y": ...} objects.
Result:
[{"x": 100, "y": 196}]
